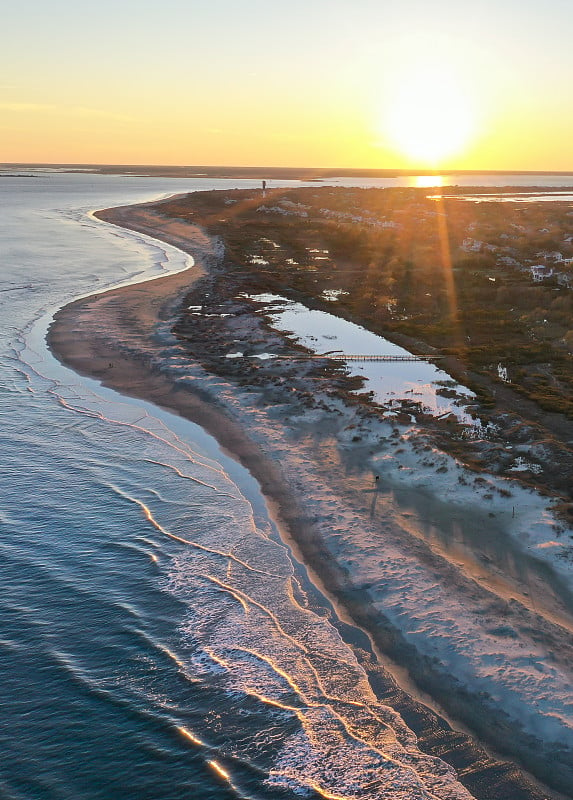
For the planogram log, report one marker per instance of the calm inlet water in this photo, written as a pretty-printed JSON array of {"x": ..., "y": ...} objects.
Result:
[
  {"x": 156, "y": 639},
  {"x": 324, "y": 333}
]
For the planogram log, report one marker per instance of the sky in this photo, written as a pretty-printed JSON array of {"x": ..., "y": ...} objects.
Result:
[{"x": 430, "y": 84}]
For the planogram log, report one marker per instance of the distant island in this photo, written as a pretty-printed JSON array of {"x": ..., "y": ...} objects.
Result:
[{"x": 260, "y": 172}]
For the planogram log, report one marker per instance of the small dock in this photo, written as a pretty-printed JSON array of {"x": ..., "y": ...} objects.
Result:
[
  {"x": 375, "y": 357},
  {"x": 365, "y": 357},
  {"x": 337, "y": 356}
]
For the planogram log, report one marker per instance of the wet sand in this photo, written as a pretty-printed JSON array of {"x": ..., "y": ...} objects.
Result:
[{"x": 112, "y": 337}]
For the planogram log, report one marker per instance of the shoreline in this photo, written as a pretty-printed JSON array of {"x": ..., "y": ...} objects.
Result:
[{"x": 119, "y": 327}]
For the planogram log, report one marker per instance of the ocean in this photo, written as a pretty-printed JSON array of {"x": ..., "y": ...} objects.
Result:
[{"x": 158, "y": 639}]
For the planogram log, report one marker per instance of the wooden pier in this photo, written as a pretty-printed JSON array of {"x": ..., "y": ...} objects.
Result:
[
  {"x": 368, "y": 357},
  {"x": 374, "y": 357},
  {"x": 336, "y": 356}
]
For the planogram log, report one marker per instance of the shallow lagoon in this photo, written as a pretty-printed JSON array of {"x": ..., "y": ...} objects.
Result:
[{"x": 326, "y": 334}]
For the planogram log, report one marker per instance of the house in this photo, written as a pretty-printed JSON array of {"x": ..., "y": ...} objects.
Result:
[
  {"x": 540, "y": 272},
  {"x": 554, "y": 256}
]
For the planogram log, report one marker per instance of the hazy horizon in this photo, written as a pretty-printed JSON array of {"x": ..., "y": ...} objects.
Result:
[{"x": 256, "y": 168}]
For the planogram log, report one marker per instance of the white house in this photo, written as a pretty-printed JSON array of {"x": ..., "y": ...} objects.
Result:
[{"x": 540, "y": 272}]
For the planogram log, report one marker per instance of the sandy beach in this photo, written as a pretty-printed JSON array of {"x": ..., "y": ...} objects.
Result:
[{"x": 451, "y": 586}]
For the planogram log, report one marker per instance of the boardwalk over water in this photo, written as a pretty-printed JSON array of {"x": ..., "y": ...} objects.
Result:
[
  {"x": 370, "y": 357},
  {"x": 336, "y": 356}
]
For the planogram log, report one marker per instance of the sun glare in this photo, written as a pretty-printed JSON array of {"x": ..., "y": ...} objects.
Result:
[
  {"x": 429, "y": 117},
  {"x": 427, "y": 181}
]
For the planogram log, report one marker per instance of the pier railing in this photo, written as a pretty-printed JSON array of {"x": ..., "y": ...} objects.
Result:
[
  {"x": 375, "y": 357},
  {"x": 337, "y": 356}
]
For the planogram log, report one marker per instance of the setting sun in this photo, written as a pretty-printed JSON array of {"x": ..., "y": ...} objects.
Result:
[{"x": 429, "y": 116}]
